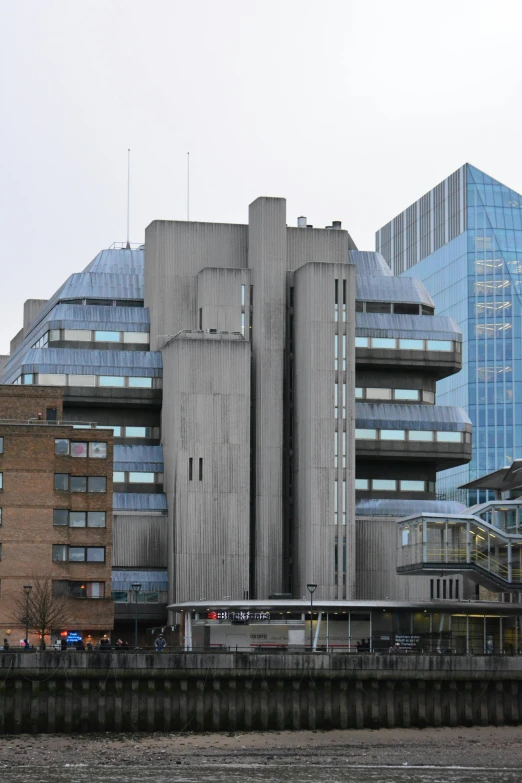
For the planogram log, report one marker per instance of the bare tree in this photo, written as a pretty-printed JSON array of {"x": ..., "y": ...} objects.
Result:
[{"x": 48, "y": 610}]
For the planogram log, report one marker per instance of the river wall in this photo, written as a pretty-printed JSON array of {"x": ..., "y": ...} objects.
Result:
[{"x": 97, "y": 692}]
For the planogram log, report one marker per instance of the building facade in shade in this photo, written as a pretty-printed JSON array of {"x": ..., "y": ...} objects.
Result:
[
  {"x": 272, "y": 393},
  {"x": 463, "y": 239}
]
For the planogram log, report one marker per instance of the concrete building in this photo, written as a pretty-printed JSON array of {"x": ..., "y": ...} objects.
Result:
[
  {"x": 55, "y": 513},
  {"x": 285, "y": 405},
  {"x": 463, "y": 239}
]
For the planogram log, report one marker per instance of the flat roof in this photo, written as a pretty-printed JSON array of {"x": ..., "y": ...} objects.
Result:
[{"x": 303, "y": 605}]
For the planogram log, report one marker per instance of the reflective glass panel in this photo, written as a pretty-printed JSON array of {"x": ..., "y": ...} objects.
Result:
[
  {"x": 95, "y": 554},
  {"x": 98, "y": 450},
  {"x": 378, "y": 394},
  {"x": 411, "y": 345},
  {"x": 60, "y": 517},
  {"x": 420, "y": 435},
  {"x": 59, "y": 552},
  {"x": 140, "y": 383},
  {"x": 411, "y": 486},
  {"x": 61, "y": 481},
  {"x": 406, "y": 394},
  {"x": 362, "y": 434},
  {"x": 362, "y": 342},
  {"x": 107, "y": 337},
  {"x": 78, "y": 449},
  {"x": 79, "y": 335},
  {"x": 137, "y": 432},
  {"x": 361, "y": 483},
  {"x": 393, "y": 435},
  {"x": 51, "y": 379},
  {"x": 384, "y": 342},
  {"x": 96, "y": 519},
  {"x": 112, "y": 380},
  {"x": 77, "y": 519},
  {"x": 82, "y": 380},
  {"x": 76, "y": 554},
  {"x": 440, "y": 345},
  {"x": 135, "y": 337},
  {"x": 358, "y": 394},
  {"x": 380, "y": 484},
  {"x": 78, "y": 484},
  {"x": 141, "y": 478},
  {"x": 449, "y": 437},
  {"x": 118, "y": 476},
  {"x": 97, "y": 484},
  {"x": 61, "y": 446}
]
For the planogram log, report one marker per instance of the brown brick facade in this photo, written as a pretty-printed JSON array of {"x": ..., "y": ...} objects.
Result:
[{"x": 28, "y": 465}]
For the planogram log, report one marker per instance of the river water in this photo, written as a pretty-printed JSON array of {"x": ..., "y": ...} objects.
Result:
[{"x": 277, "y": 773}]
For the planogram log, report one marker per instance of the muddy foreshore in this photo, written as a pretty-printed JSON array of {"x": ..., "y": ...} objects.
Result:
[{"x": 472, "y": 747}]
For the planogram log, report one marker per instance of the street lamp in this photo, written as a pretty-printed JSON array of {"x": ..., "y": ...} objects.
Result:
[
  {"x": 136, "y": 587},
  {"x": 27, "y": 590},
  {"x": 311, "y": 590}
]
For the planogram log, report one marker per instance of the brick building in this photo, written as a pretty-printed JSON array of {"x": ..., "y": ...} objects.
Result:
[{"x": 55, "y": 511}]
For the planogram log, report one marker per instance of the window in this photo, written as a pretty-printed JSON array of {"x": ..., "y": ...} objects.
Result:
[
  {"x": 98, "y": 450},
  {"x": 82, "y": 380},
  {"x": 140, "y": 383},
  {"x": 0, "y": 516},
  {"x": 112, "y": 380},
  {"x": 54, "y": 334},
  {"x": 136, "y": 477},
  {"x": 118, "y": 477},
  {"x": 77, "y": 518},
  {"x": 336, "y": 351},
  {"x": 411, "y": 345},
  {"x": 411, "y": 486},
  {"x": 400, "y": 308},
  {"x": 336, "y": 400},
  {"x": 378, "y": 307},
  {"x": 359, "y": 393},
  {"x": 79, "y": 335},
  {"x": 60, "y": 517},
  {"x": 406, "y": 394},
  {"x": 384, "y": 484},
  {"x": 361, "y": 483},
  {"x": 420, "y": 435},
  {"x": 137, "y": 432},
  {"x": 336, "y": 448},
  {"x": 201, "y": 469},
  {"x": 336, "y": 502},
  {"x": 344, "y": 501},
  {"x": 242, "y": 323},
  {"x": 50, "y": 379},
  {"x": 97, "y": 484},
  {"x": 393, "y": 435},
  {"x": 243, "y": 288},
  {"x": 190, "y": 468},
  {"x": 383, "y": 342},
  {"x": 136, "y": 337},
  {"x": 440, "y": 345},
  {"x": 405, "y": 536},
  {"x": 96, "y": 519},
  {"x": 120, "y": 596},
  {"x": 344, "y": 352},
  {"x": 344, "y": 401},
  {"x": 78, "y": 483},
  {"x": 362, "y": 342},
  {"x": 1, "y": 445},
  {"x": 115, "y": 429},
  {"x": 61, "y": 481},
  {"x": 361, "y": 434},
  {"x": 28, "y": 378},
  {"x": 78, "y": 554},
  {"x": 344, "y": 449},
  {"x": 378, "y": 394},
  {"x": 107, "y": 337},
  {"x": 449, "y": 437},
  {"x": 78, "y": 449}
]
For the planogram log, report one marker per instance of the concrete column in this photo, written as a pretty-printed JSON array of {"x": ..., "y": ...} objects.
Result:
[{"x": 267, "y": 258}]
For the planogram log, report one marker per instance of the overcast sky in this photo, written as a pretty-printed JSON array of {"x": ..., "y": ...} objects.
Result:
[{"x": 351, "y": 109}]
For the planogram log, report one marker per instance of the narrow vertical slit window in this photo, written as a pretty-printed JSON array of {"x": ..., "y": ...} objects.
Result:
[
  {"x": 336, "y": 351},
  {"x": 344, "y": 401},
  {"x": 201, "y": 318},
  {"x": 336, "y": 562},
  {"x": 243, "y": 324},
  {"x": 336, "y": 448},
  {"x": 344, "y": 501},
  {"x": 344, "y": 449},
  {"x": 344, "y": 352},
  {"x": 200, "y": 469},
  {"x": 336, "y": 317},
  {"x": 344, "y": 300},
  {"x": 336, "y": 400},
  {"x": 190, "y": 468},
  {"x": 336, "y": 502},
  {"x": 243, "y": 287},
  {"x": 457, "y": 589}
]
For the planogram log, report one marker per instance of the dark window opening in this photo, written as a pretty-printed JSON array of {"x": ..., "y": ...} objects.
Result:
[
  {"x": 438, "y": 588},
  {"x": 451, "y": 588},
  {"x": 344, "y": 292},
  {"x": 359, "y": 307},
  {"x": 427, "y": 310},
  {"x": 336, "y": 292},
  {"x": 378, "y": 307},
  {"x": 457, "y": 589},
  {"x": 444, "y": 588},
  {"x": 200, "y": 469},
  {"x": 405, "y": 309},
  {"x": 190, "y": 468},
  {"x": 431, "y": 589},
  {"x": 201, "y": 318}
]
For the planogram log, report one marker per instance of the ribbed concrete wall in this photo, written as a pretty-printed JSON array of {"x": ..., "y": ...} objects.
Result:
[
  {"x": 267, "y": 246},
  {"x": 139, "y": 541},
  {"x": 174, "y": 254},
  {"x": 219, "y": 299},
  {"x": 84, "y": 692},
  {"x": 319, "y": 531},
  {"x": 206, "y": 417}
]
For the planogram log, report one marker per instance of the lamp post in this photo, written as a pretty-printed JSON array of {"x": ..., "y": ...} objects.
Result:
[
  {"x": 136, "y": 587},
  {"x": 311, "y": 590},
  {"x": 27, "y": 590}
]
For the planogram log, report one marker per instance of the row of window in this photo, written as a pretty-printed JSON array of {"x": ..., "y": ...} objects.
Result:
[
  {"x": 398, "y": 308},
  {"x": 136, "y": 477},
  {"x": 400, "y": 344},
  {"x": 413, "y": 435},
  {"x": 122, "y": 432},
  {"x": 144, "y": 596},
  {"x": 62, "y": 517},
  {"x": 399, "y": 395},
  {"x": 62, "y": 553},
  {"x": 91, "y": 336},
  {"x": 394, "y": 485},
  {"x": 63, "y": 482},
  {"x": 72, "y": 448},
  {"x": 61, "y": 379},
  {"x": 67, "y": 589},
  {"x": 105, "y": 302}
]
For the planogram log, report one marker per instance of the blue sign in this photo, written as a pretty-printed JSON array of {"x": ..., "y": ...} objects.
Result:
[{"x": 74, "y": 636}]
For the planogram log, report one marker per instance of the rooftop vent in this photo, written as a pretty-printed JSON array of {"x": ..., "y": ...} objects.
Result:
[{"x": 301, "y": 222}]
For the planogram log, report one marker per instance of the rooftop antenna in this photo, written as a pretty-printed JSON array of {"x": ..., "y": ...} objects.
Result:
[
  {"x": 127, "y": 247},
  {"x": 188, "y": 186}
]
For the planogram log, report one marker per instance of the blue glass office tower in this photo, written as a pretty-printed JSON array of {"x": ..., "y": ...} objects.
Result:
[{"x": 463, "y": 239}]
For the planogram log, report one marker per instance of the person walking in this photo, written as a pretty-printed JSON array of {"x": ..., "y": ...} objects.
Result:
[
  {"x": 160, "y": 643},
  {"x": 6, "y": 645}
]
